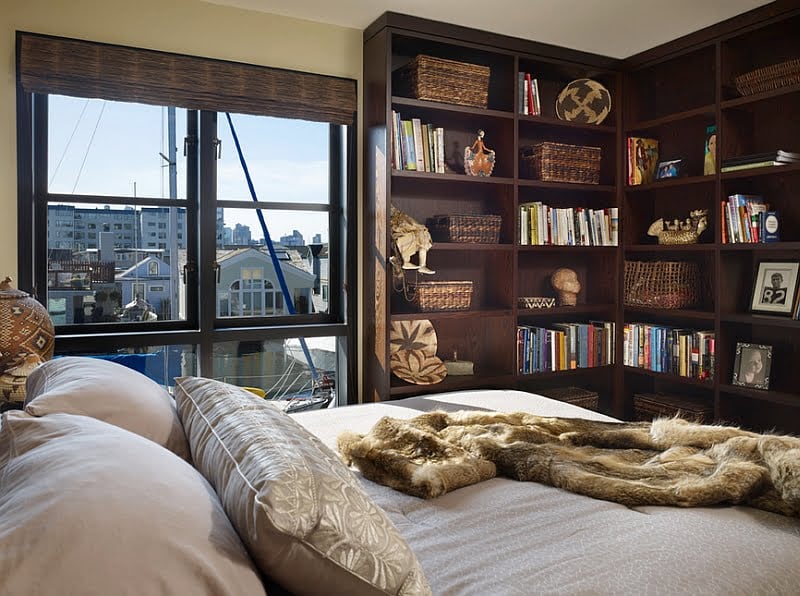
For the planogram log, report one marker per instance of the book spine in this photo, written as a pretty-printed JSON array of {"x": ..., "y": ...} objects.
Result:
[
  {"x": 408, "y": 145},
  {"x": 419, "y": 150}
]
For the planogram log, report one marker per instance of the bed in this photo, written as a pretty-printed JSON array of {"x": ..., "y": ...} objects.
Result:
[
  {"x": 506, "y": 537},
  {"x": 114, "y": 487}
]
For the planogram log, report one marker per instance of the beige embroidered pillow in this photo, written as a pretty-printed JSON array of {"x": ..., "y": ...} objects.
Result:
[
  {"x": 302, "y": 514},
  {"x": 87, "y": 508},
  {"x": 110, "y": 392}
]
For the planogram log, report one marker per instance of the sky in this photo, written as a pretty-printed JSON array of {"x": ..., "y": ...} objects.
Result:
[{"x": 113, "y": 148}]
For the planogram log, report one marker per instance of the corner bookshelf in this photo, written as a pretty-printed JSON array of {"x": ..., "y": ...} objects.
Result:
[
  {"x": 672, "y": 93},
  {"x": 486, "y": 333}
]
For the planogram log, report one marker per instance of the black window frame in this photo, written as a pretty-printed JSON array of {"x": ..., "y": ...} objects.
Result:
[{"x": 201, "y": 328}]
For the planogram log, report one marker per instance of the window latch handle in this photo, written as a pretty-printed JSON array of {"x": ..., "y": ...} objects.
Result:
[
  {"x": 217, "y": 270},
  {"x": 188, "y": 269}
]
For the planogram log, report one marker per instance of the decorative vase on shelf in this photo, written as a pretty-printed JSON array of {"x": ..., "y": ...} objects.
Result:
[{"x": 26, "y": 336}]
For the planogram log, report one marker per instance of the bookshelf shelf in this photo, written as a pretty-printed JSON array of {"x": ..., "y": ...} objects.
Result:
[
  {"x": 765, "y": 171},
  {"x": 671, "y": 377},
  {"x": 740, "y": 102},
  {"x": 771, "y": 397},
  {"x": 435, "y": 106},
  {"x": 670, "y": 248},
  {"x": 762, "y": 320},
  {"x": 704, "y": 113},
  {"x": 605, "y": 188},
  {"x": 554, "y": 122},
  {"x": 671, "y": 183},
  {"x": 631, "y": 312},
  {"x": 452, "y": 315}
]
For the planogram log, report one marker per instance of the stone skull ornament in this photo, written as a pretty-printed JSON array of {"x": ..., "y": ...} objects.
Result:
[{"x": 565, "y": 283}]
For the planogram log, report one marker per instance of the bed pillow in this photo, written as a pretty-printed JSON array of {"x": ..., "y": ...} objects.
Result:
[
  {"x": 90, "y": 508},
  {"x": 110, "y": 392},
  {"x": 300, "y": 511}
]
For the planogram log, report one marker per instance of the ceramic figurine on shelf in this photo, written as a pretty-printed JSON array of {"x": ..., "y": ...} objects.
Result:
[
  {"x": 411, "y": 238},
  {"x": 478, "y": 159},
  {"x": 565, "y": 283},
  {"x": 680, "y": 232}
]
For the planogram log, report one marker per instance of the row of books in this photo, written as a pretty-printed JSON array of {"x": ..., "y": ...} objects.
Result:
[
  {"x": 677, "y": 351},
  {"x": 759, "y": 160},
  {"x": 747, "y": 218},
  {"x": 540, "y": 224},
  {"x": 564, "y": 346},
  {"x": 416, "y": 145},
  {"x": 528, "y": 100}
]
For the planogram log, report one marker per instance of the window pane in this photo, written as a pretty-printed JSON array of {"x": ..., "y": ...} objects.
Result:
[
  {"x": 160, "y": 363},
  {"x": 100, "y": 147},
  {"x": 278, "y": 369},
  {"x": 287, "y": 159},
  {"x": 248, "y": 285},
  {"x": 118, "y": 274}
]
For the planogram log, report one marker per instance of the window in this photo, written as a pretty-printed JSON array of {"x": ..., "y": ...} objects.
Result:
[{"x": 170, "y": 175}]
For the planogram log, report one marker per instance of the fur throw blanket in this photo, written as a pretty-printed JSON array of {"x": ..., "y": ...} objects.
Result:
[{"x": 667, "y": 462}]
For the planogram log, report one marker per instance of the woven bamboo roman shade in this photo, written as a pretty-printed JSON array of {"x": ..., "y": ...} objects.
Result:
[{"x": 58, "y": 65}]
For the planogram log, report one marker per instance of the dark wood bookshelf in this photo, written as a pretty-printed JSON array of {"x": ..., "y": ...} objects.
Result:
[{"x": 672, "y": 93}]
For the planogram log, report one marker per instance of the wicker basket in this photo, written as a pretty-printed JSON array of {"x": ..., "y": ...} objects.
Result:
[
  {"x": 662, "y": 284},
  {"x": 559, "y": 162},
  {"x": 476, "y": 229},
  {"x": 770, "y": 77},
  {"x": 443, "y": 295},
  {"x": 654, "y": 405},
  {"x": 573, "y": 395},
  {"x": 438, "y": 79}
]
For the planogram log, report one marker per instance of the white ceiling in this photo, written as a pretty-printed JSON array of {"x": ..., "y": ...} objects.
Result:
[{"x": 616, "y": 28}]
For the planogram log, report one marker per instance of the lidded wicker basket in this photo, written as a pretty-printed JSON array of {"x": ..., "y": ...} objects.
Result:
[
  {"x": 769, "y": 77},
  {"x": 449, "y": 81},
  {"x": 560, "y": 162},
  {"x": 443, "y": 295},
  {"x": 474, "y": 229},
  {"x": 662, "y": 284}
]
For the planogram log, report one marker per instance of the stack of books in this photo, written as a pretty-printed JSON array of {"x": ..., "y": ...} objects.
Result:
[{"x": 759, "y": 160}]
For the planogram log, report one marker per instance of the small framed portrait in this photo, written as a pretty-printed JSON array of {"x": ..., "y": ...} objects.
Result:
[
  {"x": 775, "y": 287},
  {"x": 752, "y": 365},
  {"x": 669, "y": 169}
]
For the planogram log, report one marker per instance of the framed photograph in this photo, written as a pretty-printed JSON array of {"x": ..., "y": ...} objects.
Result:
[
  {"x": 752, "y": 365},
  {"x": 775, "y": 287},
  {"x": 669, "y": 169}
]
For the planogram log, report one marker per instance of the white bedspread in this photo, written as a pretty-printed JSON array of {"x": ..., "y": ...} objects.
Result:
[{"x": 506, "y": 537}]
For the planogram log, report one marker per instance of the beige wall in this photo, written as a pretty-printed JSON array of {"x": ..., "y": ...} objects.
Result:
[{"x": 184, "y": 26}]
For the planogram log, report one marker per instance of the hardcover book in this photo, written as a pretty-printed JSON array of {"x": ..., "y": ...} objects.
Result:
[{"x": 642, "y": 160}]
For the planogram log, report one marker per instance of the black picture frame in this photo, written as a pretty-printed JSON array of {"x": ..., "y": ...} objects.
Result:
[
  {"x": 752, "y": 366},
  {"x": 669, "y": 169},
  {"x": 775, "y": 288}
]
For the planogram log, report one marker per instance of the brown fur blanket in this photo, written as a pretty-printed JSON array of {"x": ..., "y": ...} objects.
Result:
[{"x": 667, "y": 462}]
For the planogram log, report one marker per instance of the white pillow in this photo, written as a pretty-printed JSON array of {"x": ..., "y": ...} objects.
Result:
[
  {"x": 90, "y": 509},
  {"x": 110, "y": 392},
  {"x": 300, "y": 511}
]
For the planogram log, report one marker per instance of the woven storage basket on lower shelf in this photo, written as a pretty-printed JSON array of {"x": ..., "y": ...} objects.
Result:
[
  {"x": 768, "y": 78},
  {"x": 443, "y": 295},
  {"x": 439, "y": 79},
  {"x": 654, "y": 405},
  {"x": 559, "y": 162},
  {"x": 573, "y": 395},
  {"x": 476, "y": 229},
  {"x": 662, "y": 284}
]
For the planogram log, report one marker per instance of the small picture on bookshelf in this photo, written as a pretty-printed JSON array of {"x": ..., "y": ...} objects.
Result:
[
  {"x": 775, "y": 287},
  {"x": 669, "y": 169},
  {"x": 710, "y": 160},
  {"x": 752, "y": 365},
  {"x": 642, "y": 160}
]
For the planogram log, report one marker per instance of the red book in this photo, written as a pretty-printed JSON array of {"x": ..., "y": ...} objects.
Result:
[{"x": 531, "y": 108}]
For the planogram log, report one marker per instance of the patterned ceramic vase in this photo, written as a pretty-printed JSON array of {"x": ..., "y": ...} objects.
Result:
[{"x": 25, "y": 327}]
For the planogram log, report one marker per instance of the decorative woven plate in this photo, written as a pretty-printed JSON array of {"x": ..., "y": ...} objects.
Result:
[
  {"x": 405, "y": 336},
  {"x": 414, "y": 366},
  {"x": 585, "y": 101}
]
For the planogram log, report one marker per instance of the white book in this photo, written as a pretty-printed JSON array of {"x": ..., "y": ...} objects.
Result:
[
  {"x": 416, "y": 123},
  {"x": 440, "y": 147}
]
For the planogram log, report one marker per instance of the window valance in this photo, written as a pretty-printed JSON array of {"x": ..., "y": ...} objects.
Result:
[{"x": 58, "y": 65}]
